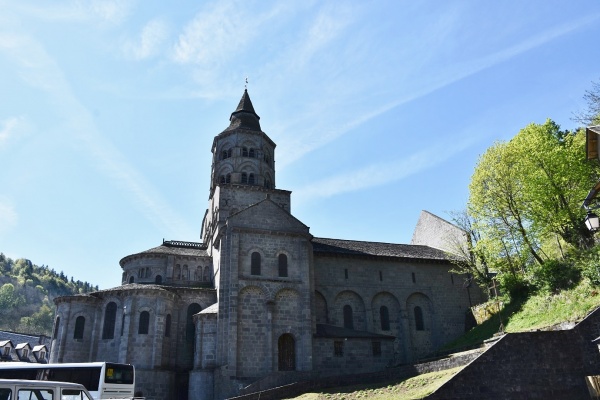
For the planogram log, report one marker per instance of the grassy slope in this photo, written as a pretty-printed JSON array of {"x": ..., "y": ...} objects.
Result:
[
  {"x": 418, "y": 387},
  {"x": 537, "y": 312}
]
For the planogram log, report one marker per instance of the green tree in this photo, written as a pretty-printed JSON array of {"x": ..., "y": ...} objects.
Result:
[{"x": 526, "y": 194}]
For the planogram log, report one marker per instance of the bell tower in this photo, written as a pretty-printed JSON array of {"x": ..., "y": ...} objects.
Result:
[
  {"x": 243, "y": 154},
  {"x": 243, "y": 169}
]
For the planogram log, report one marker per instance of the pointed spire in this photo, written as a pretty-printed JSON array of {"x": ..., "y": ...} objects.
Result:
[{"x": 244, "y": 115}]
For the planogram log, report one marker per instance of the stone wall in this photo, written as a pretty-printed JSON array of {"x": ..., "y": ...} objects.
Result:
[
  {"x": 531, "y": 365},
  {"x": 438, "y": 233},
  {"x": 367, "y": 284}
]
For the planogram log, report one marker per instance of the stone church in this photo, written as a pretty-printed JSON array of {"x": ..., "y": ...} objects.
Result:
[{"x": 259, "y": 301}]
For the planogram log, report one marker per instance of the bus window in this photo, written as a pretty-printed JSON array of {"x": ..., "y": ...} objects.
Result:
[
  {"x": 88, "y": 377},
  {"x": 118, "y": 373}
]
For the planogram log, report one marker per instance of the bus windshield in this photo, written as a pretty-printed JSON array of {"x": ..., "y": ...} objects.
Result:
[{"x": 118, "y": 374}]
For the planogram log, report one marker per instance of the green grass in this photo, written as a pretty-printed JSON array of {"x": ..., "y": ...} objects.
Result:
[
  {"x": 418, "y": 387},
  {"x": 539, "y": 311}
]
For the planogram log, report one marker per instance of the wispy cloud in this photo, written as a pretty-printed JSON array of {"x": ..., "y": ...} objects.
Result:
[
  {"x": 149, "y": 42},
  {"x": 101, "y": 11},
  {"x": 382, "y": 173},
  {"x": 10, "y": 127},
  {"x": 40, "y": 71},
  {"x": 8, "y": 217},
  {"x": 313, "y": 131}
]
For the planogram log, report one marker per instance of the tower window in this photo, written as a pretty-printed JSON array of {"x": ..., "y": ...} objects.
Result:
[
  {"x": 267, "y": 184},
  {"x": 384, "y": 316},
  {"x": 283, "y": 270},
  {"x": 168, "y": 326},
  {"x": 338, "y": 348},
  {"x": 419, "y": 325},
  {"x": 110, "y": 316},
  {"x": 144, "y": 323},
  {"x": 251, "y": 179},
  {"x": 244, "y": 178},
  {"x": 222, "y": 179},
  {"x": 376, "y": 348},
  {"x": 414, "y": 278},
  {"x": 380, "y": 276},
  {"x": 225, "y": 154},
  {"x": 228, "y": 178},
  {"x": 251, "y": 153},
  {"x": 346, "y": 273},
  {"x": 255, "y": 263},
  {"x": 348, "y": 318},
  {"x": 244, "y": 152},
  {"x": 79, "y": 327}
]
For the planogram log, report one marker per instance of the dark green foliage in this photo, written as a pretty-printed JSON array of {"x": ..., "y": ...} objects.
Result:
[
  {"x": 27, "y": 292},
  {"x": 554, "y": 276},
  {"x": 589, "y": 265},
  {"x": 515, "y": 286}
]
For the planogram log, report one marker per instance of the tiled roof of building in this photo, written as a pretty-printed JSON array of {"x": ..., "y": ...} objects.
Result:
[
  {"x": 176, "y": 248},
  {"x": 17, "y": 338},
  {"x": 376, "y": 249},
  {"x": 332, "y": 331}
]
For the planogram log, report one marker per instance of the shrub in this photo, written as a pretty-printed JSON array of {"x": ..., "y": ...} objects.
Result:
[
  {"x": 514, "y": 285},
  {"x": 554, "y": 276},
  {"x": 590, "y": 267}
]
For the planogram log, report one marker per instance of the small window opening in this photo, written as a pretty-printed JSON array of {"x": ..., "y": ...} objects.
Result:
[
  {"x": 346, "y": 273},
  {"x": 376, "y": 348},
  {"x": 419, "y": 319},
  {"x": 255, "y": 263},
  {"x": 380, "y": 276},
  {"x": 338, "y": 348},
  {"x": 414, "y": 278},
  {"x": 144, "y": 323},
  {"x": 283, "y": 265}
]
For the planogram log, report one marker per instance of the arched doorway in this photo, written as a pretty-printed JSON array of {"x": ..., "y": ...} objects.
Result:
[{"x": 286, "y": 347}]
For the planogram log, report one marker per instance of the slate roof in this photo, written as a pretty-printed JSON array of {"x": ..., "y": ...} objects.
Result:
[
  {"x": 212, "y": 309},
  {"x": 332, "y": 331},
  {"x": 176, "y": 248},
  {"x": 17, "y": 338},
  {"x": 244, "y": 115},
  {"x": 376, "y": 249}
]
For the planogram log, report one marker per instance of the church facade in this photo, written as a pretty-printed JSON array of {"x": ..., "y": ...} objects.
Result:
[{"x": 259, "y": 301}]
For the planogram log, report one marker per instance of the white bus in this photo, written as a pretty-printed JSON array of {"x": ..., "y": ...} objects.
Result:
[
  {"x": 103, "y": 380},
  {"x": 17, "y": 389}
]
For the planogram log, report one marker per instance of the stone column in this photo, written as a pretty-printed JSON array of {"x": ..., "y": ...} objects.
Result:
[{"x": 271, "y": 362}]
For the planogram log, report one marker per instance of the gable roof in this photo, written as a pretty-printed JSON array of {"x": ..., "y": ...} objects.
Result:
[
  {"x": 267, "y": 215},
  {"x": 376, "y": 249}
]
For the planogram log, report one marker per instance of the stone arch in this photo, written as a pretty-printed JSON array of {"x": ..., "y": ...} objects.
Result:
[
  {"x": 283, "y": 262},
  {"x": 79, "y": 330},
  {"x": 286, "y": 352},
  {"x": 252, "y": 352},
  {"x": 420, "y": 320},
  {"x": 321, "y": 313},
  {"x": 357, "y": 305},
  {"x": 227, "y": 147},
  {"x": 392, "y": 305},
  {"x": 249, "y": 256},
  {"x": 109, "y": 320}
]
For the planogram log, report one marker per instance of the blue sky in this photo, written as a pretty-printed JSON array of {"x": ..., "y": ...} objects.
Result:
[{"x": 379, "y": 109}]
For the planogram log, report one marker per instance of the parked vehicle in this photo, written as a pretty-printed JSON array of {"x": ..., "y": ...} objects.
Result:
[
  {"x": 103, "y": 380},
  {"x": 21, "y": 389}
]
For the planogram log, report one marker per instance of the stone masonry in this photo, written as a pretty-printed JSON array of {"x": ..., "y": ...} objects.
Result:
[{"x": 259, "y": 300}]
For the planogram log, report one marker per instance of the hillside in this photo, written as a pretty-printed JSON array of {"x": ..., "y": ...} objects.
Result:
[{"x": 26, "y": 294}]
